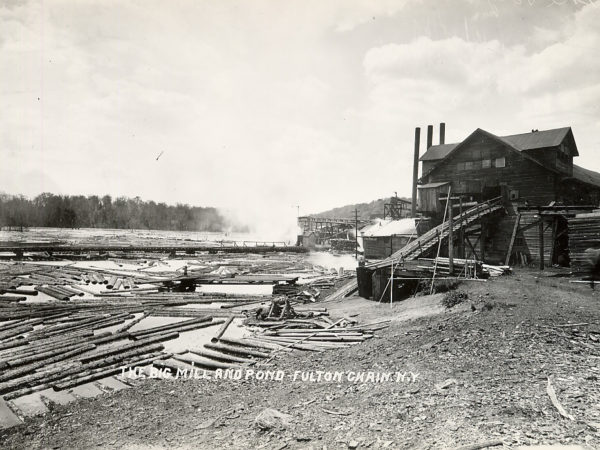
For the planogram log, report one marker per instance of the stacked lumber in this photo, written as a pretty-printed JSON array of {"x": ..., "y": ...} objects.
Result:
[
  {"x": 584, "y": 233},
  {"x": 467, "y": 268},
  {"x": 496, "y": 271},
  {"x": 317, "y": 334}
]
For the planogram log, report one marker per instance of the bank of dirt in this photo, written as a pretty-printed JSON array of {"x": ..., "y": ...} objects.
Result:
[{"x": 474, "y": 373}]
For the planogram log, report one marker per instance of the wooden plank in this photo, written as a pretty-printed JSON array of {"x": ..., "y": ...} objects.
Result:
[{"x": 512, "y": 239}]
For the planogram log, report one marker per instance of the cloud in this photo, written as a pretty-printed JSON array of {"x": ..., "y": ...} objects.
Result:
[{"x": 264, "y": 103}]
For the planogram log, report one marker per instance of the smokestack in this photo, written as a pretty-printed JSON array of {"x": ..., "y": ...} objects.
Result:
[
  {"x": 415, "y": 172},
  {"x": 442, "y": 133},
  {"x": 429, "y": 136}
]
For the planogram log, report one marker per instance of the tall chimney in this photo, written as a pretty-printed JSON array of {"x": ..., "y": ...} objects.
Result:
[
  {"x": 442, "y": 133},
  {"x": 429, "y": 136},
  {"x": 415, "y": 172}
]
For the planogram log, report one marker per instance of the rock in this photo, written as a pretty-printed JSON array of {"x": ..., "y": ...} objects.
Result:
[
  {"x": 270, "y": 418},
  {"x": 353, "y": 444}
]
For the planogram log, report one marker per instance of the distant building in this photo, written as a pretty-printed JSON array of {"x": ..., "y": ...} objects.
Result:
[{"x": 385, "y": 236}]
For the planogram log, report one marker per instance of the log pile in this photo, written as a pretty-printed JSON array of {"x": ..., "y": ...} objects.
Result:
[{"x": 62, "y": 325}]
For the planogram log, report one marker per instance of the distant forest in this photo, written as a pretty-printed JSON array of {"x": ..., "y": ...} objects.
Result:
[{"x": 78, "y": 211}]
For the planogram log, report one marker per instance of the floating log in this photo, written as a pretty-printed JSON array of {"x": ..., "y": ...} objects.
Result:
[
  {"x": 19, "y": 291},
  {"x": 207, "y": 363},
  {"x": 246, "y": 343},
  {"x": 142, "y": 361},
  {"x": 224, "y": 348},
  {"x": 129, "y": 346},
  {"x": 52, "y": 292},
  {"x": 132, "y": 323},
  {"x": 33, "y": 367},
  {"x": 138, "y": 334},
  {"x": 220, "y": 356}
]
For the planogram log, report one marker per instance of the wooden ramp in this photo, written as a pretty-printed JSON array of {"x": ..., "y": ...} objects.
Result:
[{"x": 429, "y": 240}]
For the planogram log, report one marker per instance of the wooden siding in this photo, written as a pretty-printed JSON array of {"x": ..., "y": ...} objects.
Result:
[
  {"x": 428, "y": 165},
  {"x": 380, "y": 247},
  {"x": 429, "y": 198},
  {"x": 533, "y": 182},
  {"x": 526, "y": 242}
]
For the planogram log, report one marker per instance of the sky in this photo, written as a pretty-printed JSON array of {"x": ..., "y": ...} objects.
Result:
[{"x": 260, "y": 106}]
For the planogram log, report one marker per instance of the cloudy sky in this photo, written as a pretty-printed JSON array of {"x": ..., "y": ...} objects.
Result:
[{"x": 259, "y": 103}]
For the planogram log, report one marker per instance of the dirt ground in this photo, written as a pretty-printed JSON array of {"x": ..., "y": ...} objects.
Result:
[{"x": 475, "y": 373}]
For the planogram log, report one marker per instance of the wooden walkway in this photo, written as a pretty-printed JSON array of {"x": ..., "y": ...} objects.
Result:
[
  {"x": 429, "y": 240},
  {"x": 19, "y": 250}
]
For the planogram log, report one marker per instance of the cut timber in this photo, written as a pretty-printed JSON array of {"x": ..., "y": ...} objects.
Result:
[
  {"x": 221, "y": 356},
  {"x": 129, "y": 346},
  {"x": 183, "y": 328},
  {"x": 222, "y": 330},
  {"x": 206, "y": 363},
  {"x": 555, "y": 402},
  {"x": 139, "y": 334},
  {"x": 236, "y": 350},
  {"x": 103, "y": 373},
  {"x": 512, "y": 240},
  {"x": 247, "y": 343}
]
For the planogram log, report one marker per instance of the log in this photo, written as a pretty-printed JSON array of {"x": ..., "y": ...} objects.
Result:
[
  {"x": 207, "y": 363},
  {"x": 138, "y": 334},
  {"x": 236, "y": 350},
  {"x": 52, "y": 293},
  {"x": 107, "y": 372},
  {"x": 555, "y": 402},
  {"x": 220, "y": 356},
  {"x": 19, "y": 291},
  {"x": 130, "y": 346},
  {"x": 33, "y": 367},
  {"x": 222, "y": 330},
  {"x": 247, "y": 343},
  {"x": 132, "y": 323},
  {"x": 12, "y": 298}
]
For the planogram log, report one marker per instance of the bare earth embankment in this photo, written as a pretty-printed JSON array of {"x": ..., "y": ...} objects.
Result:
[{"x": 475, "y": 373}]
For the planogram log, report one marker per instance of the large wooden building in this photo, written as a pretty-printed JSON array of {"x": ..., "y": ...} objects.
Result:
[
  {"x": 534, "y": 175},
  {"x": 532, "y": 168}
]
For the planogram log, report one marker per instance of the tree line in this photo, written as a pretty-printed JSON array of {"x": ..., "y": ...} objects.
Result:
[{"x": 78, "y": 211}]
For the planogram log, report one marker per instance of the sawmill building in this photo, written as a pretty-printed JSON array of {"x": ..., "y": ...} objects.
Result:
[{"x": 534, "y": 175}]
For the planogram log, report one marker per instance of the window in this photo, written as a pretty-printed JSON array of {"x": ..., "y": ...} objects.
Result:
[
  {"x": 500, "y": 162},
  {"x": 486, "y": 163},
  {"x": 468, "y": 165},
  {"x": 460, "y": 166},
  {"x": 476, "y": 164}
]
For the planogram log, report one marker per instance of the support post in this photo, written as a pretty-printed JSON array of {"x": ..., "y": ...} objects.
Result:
[
  {"x": 482, "y": 239},
  {"x": 461, "y": 252},
  {"x": 541, "y": 237},
  {"x": 450, "y": 238}
]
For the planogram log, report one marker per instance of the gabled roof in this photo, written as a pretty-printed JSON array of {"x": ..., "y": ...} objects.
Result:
[
  {"x": 586, "y": 176},
  {"x": 538, "y": 139},
  {"x": 437, "y": 152},
  {"x": 387, "y": 227},
  {"x": 489, "y": 135},
  {"x": 524, "y": 141}
]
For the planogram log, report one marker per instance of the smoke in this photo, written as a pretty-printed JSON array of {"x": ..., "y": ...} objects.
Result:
[{"x": 263, "y": 224}]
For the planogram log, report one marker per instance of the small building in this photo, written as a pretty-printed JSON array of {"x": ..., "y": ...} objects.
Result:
[{"x": 384, "y": 236}]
